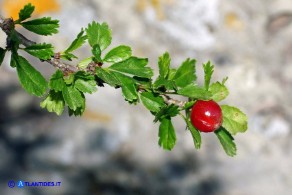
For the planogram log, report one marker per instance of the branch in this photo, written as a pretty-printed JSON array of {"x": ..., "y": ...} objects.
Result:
[
  {"x": 65, "y": 68},
  {"x": 7, "y": 25}
]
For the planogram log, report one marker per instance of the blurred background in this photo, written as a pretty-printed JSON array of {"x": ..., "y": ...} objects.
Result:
[{"x": 113, "y": 148}]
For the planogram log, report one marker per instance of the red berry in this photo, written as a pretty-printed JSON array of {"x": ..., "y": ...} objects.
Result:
[{"x": 206, "y": 116}]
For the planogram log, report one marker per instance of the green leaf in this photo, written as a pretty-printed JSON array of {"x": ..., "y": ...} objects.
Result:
[
  {"x": 195, "y": 134},
  {"x": 134, "y": 66},
  {"x": 97, "y": 53},
  {"x": 208, "y": 70},
  {"x": 162, "y": 82},
  {"x": 171, "y": 73},
  {"x": 107, "y": 76},
  {"x": 31, "y": 79},
  {"x": 85, "y": 86},
  {"x": 57, "y": 82},
  {"x": 69, "y": 79},
  {"x": 142, "y": 82},
  {"x": 167, "y": 137},
  {"x": 166, "y": 111},
  {"x": 80, "y": 110},
  {"x": 224, "y": 80},
  {"x": 78, "y": 42},
  {"x": 2, "y": 54},
  {"x": 84, "y": 63},
  {"x": 194, "y": 91},
  {"x": 99, "y": 34},
  {"x": 234, "y": 121},
  {"x": 42, "y": 51},
  {"x": 128, "y": 87},
  {"x": 219, "y": 91},
  {"x": 118, "y": 54},
  {"x": 186, "y": 73},
  {"x": 42, "y": 26},
  {"x": 25, "y": 12},
  {"x": 226, "y": 141},
  {"x": 68, "y": 56},
  {"x": 54, "y": 102},
  {"x": 164, "y": 63},
  {"x": 152, "y": 101},
  {"x": 73, "y": 97},
  {"x": 84, "y": 75}
]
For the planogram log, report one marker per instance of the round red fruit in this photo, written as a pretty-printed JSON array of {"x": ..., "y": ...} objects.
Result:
[{"x": 206, "y": 116}]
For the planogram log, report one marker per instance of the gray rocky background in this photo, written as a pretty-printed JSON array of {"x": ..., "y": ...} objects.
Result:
[{"x": 113, "y": 148}]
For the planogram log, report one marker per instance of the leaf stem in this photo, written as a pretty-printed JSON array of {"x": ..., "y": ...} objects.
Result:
[{"x": 183, "y": 116}]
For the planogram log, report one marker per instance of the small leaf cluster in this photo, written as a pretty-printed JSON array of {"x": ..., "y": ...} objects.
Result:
[
  {"x": 182, "y": 81},
  {"x": 118, "y": 68},
  {"x": 30, "y": 79}
]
